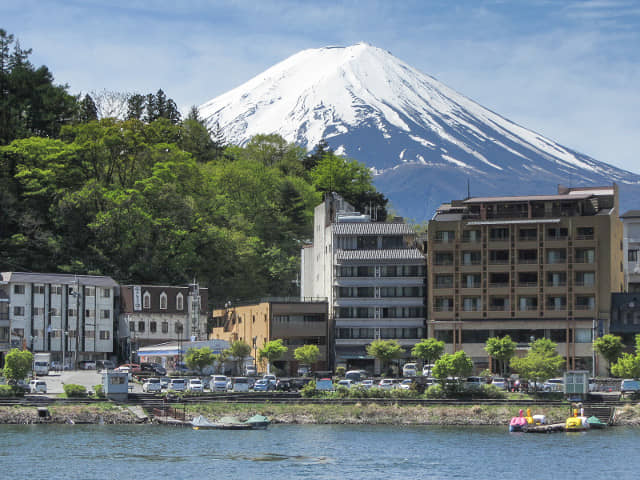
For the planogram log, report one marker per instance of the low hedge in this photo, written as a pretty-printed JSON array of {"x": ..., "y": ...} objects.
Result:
[{"x": 72, "y": 390}]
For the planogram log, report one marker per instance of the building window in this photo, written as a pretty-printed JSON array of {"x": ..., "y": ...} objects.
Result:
[
  {"x": 585, "y": 255},
  {"x": 499, "y": 234},
  {"x": 90, "y": 334},
  {"x": 498, "y": 257},
  {"x": 471, "y": 236},
  {"x": 471, "y": 258},
  {"x": 89, "y": 313},
  {"x": 56, "y": 289},
  {"x": 556, "y": 279},
  {"x": 163, "y": 301},
  {"x": 584, "y": 233},
  {"x": 55, "y": 312},
  {"x": 528, "y": 234},
  {"x": 152, "y": 327},
  {"x": 528, "y": 303},
  {"x": 18, "y": 311},
  {"x": 165, "y": 327},
  {"x": 72, "y": 312},
  {"x": 178, "y": 328},
  {"x": 18, "y": 289},
  {"x": 106, "y": 293},
  {"x": 585, "y": 279},
  {"x": 633, "y": 255},
  {"x": 90, "y": 291},
  {"x": 556, "y": 255},
  {"x": 444, "y": 281},
  {"x": 445, "y": 236},
  {"x": 179, "y": 302},
  {"x": 104, "y": 334},
  {"x": 38, "y": 311},
  {"x": 557, "y": 233},
  {"x": 105, "y": 314},
  {"x": 443, "y": 258},
  {"x": 443, "y": 304},
  {"x": 146, "y": 300},
  {"x": 141, "y": 326},
  {"x": 471, "y": 304},
  {"x": 38, "y": 289}
]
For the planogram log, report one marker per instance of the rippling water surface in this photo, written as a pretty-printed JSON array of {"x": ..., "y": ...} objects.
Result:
[{"x": 316, "y": 452}]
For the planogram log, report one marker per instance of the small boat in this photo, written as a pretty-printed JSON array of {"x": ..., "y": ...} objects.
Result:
[
  {"x": 595, "y": 422},
  {"x": 228, "y": 423},
  {"x": 516, "y": 423},
  {"x": 258, "y": 421},
  {"x": 576, "y": 422}
]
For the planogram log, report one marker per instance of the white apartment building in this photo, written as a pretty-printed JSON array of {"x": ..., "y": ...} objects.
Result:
[
  {"x": 373, "y": 277},
  {"x": 58, "y": 313},
  {"x": 631, "y": 225}
]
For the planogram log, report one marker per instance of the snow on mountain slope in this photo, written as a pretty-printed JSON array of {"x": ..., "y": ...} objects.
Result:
[{"x": 404, "y": 124}]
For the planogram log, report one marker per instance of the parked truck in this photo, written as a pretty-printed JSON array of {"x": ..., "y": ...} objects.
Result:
[{"x": 41, "y": 363}]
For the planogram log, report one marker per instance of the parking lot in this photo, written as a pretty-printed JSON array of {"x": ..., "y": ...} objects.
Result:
[{"x": 86, "y": 378}]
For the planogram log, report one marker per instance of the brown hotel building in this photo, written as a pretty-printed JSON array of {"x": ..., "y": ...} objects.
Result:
[{"x": 530, "y": 267}]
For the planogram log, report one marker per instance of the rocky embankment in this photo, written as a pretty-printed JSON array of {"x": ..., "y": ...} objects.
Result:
[{"x": 365, "y": 414}]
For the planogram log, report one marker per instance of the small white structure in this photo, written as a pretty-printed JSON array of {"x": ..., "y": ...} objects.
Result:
[{"x": 115, "y": 385}]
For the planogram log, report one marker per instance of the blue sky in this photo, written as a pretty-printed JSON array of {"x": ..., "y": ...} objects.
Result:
[{"x": 567, "y": 69}]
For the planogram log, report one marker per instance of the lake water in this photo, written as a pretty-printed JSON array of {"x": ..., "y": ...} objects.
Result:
[{"x": 315, "y": 452}]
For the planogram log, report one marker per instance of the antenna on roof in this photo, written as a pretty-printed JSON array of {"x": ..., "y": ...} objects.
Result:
[{"x": 468, "y": 189}]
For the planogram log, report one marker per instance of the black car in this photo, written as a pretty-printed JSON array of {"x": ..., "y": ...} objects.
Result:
[
  {"x": 284, "y": 386},
  {"x": 153, "y": 368}
]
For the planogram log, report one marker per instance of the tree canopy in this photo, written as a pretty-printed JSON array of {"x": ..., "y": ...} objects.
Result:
[
  {"x": 199, "y": 358},
  {"x": 541, "y": 362},
  {"x": 17, "y": 364},
  {"x": 385, "y": 351},
  {"x": 501, "y": 349},
  {"x": 610, "y": 347},
  {"x": 272, "y": 351},
  {"x": 428, "y": 350},
  {"x": 307, "y": 354}
]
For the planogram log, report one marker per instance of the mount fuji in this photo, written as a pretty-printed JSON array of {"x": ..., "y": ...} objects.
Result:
[{"x": 425, "y": 143}]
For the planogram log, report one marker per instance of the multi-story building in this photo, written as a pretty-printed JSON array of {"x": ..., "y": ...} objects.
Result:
[
  {"x": 153, "y": 314},
  {"x": 67, "y": 315},
  {"x": 631, "y": 223},
  {"x": 373, "y": 277},
  {"x": 530, "y": 267},
  {"x": 296, "y": 323}
]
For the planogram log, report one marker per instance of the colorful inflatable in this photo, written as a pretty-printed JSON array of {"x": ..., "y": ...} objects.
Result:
[{"x": 518, "y": 422}]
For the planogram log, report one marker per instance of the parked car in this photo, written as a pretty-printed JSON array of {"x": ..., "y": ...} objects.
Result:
[
  {"x": 133, "y": 367},
  {"x": 37, "y": 386},
  {"x": 164, "y": 382},
  {"x": 195, "y": 385},
  {"x": 354, "y": 375},
  {"x": 426, "y": 370},
  {"x": 283, "y": 385},
  {"x": 303, "y": 370},
  {"x": 178, "y": 384},
  {"x": 553, "y": 385},
  {"x": 367, "y": 383},
  {"x": 105, "y": 365},
  {"x": 153, "y": 368},
  {"x": 262, "y": 385},
  {"x": 123, "y": 369},
  {"x": 324, "y": 384},
  {"x": 499, "y": 383},
  {"x": 240, "y": 384},
  {"x": 409, "y": 370},
  {"x": 152, "y": 385},
  {"x": 474, "y": 383},
  {"x": 405, "y": 384},
  {"x": 345, "y": 383},
  {"x": 271, "y": 378},
  {"x": 219, "y": 383},
  {"x": 87, "y": 365},
  {"x": 629, "y": 385},
  {"x": 386, "y": 384},
  {"x": 250, "y": 371}
]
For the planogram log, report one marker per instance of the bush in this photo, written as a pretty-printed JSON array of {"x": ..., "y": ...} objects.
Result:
[
  {"x": 309, "y": 390},
  {"x": 435, "y": 391},
  {"x": 491, "y": 391},
  {"x": 8, "y": 391},
  {"x": 340, "y": 371},
  {"x": 72, "y": 390},
  {"x": 342, "y": 392},
  {"x": 98, "y": 391}
]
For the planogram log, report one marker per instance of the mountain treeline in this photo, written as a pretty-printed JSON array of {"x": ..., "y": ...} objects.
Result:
[{"x": 151, "y": 197}]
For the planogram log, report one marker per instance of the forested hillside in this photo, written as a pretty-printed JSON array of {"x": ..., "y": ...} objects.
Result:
[{"x": 149, "y": 197}]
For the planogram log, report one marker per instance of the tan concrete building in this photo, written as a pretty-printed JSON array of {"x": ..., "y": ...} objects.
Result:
[
  {"x": 529, "y": 266},
  {"x": 297, "y": 323}
]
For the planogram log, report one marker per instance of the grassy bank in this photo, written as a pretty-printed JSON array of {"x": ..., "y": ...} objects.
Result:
[{"x": 358, "y": 414}]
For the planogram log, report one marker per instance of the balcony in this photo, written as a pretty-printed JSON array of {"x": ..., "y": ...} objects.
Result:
[{"x": 499, "y": 308}]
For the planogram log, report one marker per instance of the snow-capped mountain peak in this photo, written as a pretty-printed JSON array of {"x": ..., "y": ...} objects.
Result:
[{"x": 369, "y": 105}]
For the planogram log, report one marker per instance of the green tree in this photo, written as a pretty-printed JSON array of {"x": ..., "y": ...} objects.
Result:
[
  {"x": 541, "y": 362},
  {"x": 199, "y": 358},
  {"x": 307, "y": 354},
  {"x": 238, "y": 351},
  {"x": 271, "y": 352},
  {"x": 17, "y": 364},
  {"x": 451, "y": 368},
  {"x": 385, "y": 351},
  {"x": 610, "y": 347},
  {"x": 428, "y": 350},
  {"x": 501, "y": 349},
  {"x": 627, "y": 366}
]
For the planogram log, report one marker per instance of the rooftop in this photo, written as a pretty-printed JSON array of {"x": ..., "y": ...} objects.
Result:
[
  {"x": 372, "y": 228},
  {"x": 58, "y": 279}
]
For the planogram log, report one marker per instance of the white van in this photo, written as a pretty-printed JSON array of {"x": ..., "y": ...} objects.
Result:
[
  {"x": 409, "y": 370},
  {"x": 240, "y": 384}
]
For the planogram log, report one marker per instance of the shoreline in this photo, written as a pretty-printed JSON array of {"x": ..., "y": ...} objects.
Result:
[{"x": 358, "y": 414}]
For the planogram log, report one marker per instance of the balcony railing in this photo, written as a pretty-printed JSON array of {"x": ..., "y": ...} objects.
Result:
[
  {"x": 585, "y": 307},
  {"x": 442, "y": 309},
  {"x": 527, "y": 284},
  {"x": 527, "y": 261},
  {"x": 499, "y": 285},
  {"x": 527, "y": 308},
  {"x": 584, "y": 237},
  {"x": 498, "y": 308}
]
